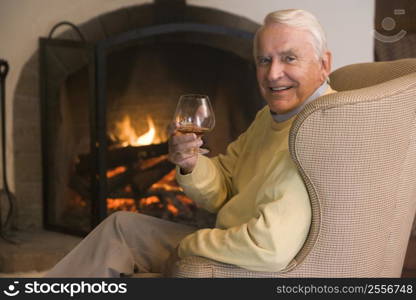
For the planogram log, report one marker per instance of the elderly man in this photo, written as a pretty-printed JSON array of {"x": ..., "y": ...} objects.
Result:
[{"x": 262, "y": 206}]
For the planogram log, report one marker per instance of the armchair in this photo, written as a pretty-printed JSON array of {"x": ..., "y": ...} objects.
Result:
[{"x": 356, "y": 152}]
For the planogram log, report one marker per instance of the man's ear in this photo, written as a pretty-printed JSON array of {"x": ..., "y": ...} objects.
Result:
[{"x": 326, "y": 62}]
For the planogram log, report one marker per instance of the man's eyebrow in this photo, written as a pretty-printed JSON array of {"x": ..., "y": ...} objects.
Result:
[
  {"x": 291, "y": 51},
  {"x": 288, "y": 52}
]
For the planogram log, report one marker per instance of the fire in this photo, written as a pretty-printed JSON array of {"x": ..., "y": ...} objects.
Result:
[
  {"x": 116, "y": 171},
  {"x": 162, "y": 196},
  {"x": 150, "y": 200},
  {"x": 167, "y": 183},
  {"x": 148, "y": 137},
  {"x": 126, "y": 135},
  {"x": 121, "y": 204},
  {"x": 172, "y": 208}
]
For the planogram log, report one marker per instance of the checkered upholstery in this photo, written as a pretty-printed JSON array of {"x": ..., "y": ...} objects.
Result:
[{"x": 356, "y": 152}]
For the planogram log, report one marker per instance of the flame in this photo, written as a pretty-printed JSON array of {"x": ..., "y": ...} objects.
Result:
[
  {"x": 116, "y": 171},
  {"x": 126, "y": 135},
  {"x": 148, "y": 137},
  {"x": 150, "y": 200},
  {"x": 172, "y": 208},
  {"x": 121, "y": 204},
  {"x": 152, "y": 161},
  {"x": 167, "y": 183},
  {"x": 184, "y": 199}
]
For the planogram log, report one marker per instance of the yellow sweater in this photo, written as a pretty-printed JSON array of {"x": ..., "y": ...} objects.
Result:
[{"x": 263, "y": 207}]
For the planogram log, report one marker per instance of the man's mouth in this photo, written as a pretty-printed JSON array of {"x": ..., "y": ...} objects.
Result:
[{"x": 279, "y": 89}]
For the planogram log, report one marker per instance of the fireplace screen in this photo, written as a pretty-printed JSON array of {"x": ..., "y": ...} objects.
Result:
[{"x": 105, "y": 111}]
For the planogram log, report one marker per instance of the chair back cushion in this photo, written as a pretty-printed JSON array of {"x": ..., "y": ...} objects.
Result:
[{"x": 357, "y": 76}]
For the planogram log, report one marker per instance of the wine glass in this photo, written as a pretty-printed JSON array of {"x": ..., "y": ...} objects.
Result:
[{"x": 194, "y": 114}]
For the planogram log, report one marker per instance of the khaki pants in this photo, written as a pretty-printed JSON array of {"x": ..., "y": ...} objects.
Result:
[{"x": 124, "y": 243}]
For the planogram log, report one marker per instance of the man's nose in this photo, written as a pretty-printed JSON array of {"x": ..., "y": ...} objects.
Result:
[{"x": 276, "y": 71}]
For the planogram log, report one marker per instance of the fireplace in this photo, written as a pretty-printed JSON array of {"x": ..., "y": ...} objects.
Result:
[{"x": 106, "y": 105}]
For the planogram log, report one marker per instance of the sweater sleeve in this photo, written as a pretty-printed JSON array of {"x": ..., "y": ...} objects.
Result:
[
  {"x": 210, "y": 183},
  {"x": 268, "y": 241}
]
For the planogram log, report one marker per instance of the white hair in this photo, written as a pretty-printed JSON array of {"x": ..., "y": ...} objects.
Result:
[{"x": 301, "y": 19}]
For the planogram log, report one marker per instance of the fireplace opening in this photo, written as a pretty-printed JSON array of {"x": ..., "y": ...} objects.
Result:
[{"x": 143, "y": 81}]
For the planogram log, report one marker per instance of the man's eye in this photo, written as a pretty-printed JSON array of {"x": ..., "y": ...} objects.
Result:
[
  {"x": 263, "y": 60},
  {"x": 289, "y": 59}
]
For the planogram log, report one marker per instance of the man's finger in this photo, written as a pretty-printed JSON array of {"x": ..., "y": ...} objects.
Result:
[
  {"x": 172, "y": 128},
  {"x": 185, "y": 146},
  {"x": 181, "y": 157},
  {"x": 182, "y": 139}
]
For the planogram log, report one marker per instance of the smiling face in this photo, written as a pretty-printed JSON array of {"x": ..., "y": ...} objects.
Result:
[{"x": 288, "y": 70}]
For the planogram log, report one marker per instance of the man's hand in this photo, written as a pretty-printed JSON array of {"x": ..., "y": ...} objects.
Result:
[
  {"x": 183, "y": 149},
  {"x": 170, "y": 263}
]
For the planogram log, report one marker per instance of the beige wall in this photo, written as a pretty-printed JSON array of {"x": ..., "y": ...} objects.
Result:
[{"x": 348, "y": 23}]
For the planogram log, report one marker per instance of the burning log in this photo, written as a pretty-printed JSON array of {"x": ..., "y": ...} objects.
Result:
[
  {"x": 164, "y": 204},
  {"x": 119, "y": 181},
  {"x": 134, "y": 176},
  {"x": 144, "y": 179},
  {"x": 121, "y": 157},
  {"x": 139, "y": 179}
]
